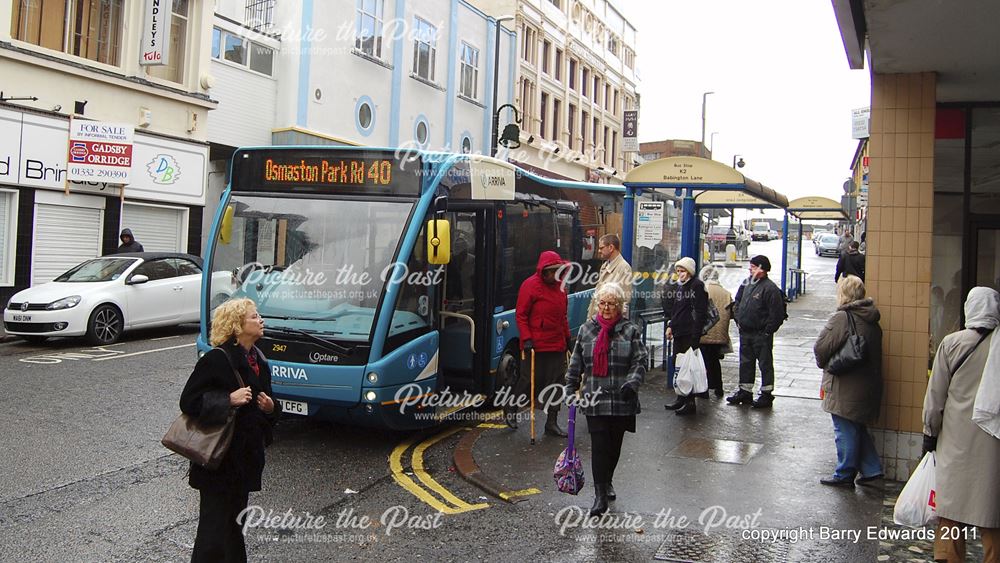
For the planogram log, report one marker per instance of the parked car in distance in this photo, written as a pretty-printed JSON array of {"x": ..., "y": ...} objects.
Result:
[
  {"x": 760, "y": 231},
  {"x": 827, "y": 244},
  {"x": 103, "y": 297},
  {"x": 816, "y": 235},
  {"x": 773, "y": 234}
]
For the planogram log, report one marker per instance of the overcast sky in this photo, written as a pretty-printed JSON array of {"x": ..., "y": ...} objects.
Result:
[{"x": 783, "y": 90}]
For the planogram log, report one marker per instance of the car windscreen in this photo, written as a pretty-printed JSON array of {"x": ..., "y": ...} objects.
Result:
[
  {"x": 312, "y": 264},
  {"x": 97, "y": 270},
  {"x": 829, "y": 238}
]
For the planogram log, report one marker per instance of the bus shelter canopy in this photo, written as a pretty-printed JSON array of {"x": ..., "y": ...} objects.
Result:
[
  {"x": 815, "y": 207},
  {"x": 718, "y": 185}
]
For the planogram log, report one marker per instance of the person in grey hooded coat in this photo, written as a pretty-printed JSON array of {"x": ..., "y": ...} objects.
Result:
[
  {"x": 852, "y": 398},
  {"x": 129, "y": 244},
  {"x": 968, "y": 458}
]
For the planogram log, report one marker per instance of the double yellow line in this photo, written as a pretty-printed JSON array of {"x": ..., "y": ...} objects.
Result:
[{"x": 448, "y": 503}]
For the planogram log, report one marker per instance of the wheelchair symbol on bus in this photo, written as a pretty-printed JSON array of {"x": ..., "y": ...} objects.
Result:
[{"x": 422, "y": 359}]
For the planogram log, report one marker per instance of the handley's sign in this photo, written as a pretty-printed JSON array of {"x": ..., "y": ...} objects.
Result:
[
  {"x": 156, "y": 33},
  {"x": 99, "y": 151}
]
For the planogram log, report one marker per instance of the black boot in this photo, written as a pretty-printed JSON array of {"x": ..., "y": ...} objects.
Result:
[
  {"x": 688, "y": 408},
  {"x": 612, "y": 495},
  {"x": 552, "y": 426},
  {"x": 764, "y": 400},
  {"x": 680, "y": 402},
  {"x": 718, "y": 392},
  {"x": 600, "y": 500},
  {"x": 740, "y": 397}
]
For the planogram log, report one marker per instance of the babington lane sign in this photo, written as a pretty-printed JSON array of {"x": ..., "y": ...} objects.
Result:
[{"x": 99, "y": 152}]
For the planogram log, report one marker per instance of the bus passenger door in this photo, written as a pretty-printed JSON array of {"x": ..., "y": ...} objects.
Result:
[{"x": 465, "y": 301}]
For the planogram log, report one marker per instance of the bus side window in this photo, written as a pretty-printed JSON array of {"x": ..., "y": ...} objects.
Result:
[{"x": 459, "y": 290}]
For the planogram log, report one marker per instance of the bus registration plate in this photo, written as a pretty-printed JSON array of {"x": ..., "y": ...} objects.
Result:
[{"x": 294, "y": 407}]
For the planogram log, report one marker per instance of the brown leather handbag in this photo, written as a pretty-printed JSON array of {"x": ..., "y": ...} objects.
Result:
[{"x": 202, "y": 443}]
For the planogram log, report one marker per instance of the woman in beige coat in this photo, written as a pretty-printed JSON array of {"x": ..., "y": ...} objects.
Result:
[
  {"x": 968, "y": 459},
  {"x": 715, "y": 343},
  {"x": 852, "y": 398}
]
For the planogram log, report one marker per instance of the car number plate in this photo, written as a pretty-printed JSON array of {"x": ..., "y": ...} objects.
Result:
[
  {"x": 21, "y": 318},
  {"x": 294, "y": 407}
]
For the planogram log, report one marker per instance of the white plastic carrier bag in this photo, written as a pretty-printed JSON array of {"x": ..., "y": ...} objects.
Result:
[
  {"x": 917, "y": 506},
  {"x": 691, "y": 374}
]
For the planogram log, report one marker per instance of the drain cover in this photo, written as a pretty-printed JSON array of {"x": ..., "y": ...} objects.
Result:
[{"x": 696, "y": 547}]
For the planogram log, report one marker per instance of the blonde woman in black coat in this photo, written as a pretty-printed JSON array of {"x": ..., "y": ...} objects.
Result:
[{"x": 211, "y": 391}]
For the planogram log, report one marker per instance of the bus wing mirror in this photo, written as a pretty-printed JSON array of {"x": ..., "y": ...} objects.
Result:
[
  {"x": 438, "y": 241},
  {"x": 226, "y": 226}
]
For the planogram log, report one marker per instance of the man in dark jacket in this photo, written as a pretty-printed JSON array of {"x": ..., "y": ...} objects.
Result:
[
  {"x": 851, "y": 263},
  {"x": 129, "y": 244},
  {"x": 759, "y": 309},
  {"x": 685, "y": 306},
  {"x": 544, "y": 329}
]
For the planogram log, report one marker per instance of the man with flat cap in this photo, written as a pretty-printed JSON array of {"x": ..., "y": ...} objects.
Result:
[{"x": 759, "y": 310}]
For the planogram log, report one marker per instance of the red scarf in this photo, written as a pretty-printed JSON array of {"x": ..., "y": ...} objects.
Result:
[
  {"x": 603, "y": 344},
  {"x": 252, "y": 360}
]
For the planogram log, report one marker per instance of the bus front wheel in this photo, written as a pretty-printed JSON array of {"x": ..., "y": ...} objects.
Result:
[{"x": 510, "y": 378}]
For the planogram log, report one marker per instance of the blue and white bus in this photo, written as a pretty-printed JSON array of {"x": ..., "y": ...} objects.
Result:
[{"x": 386, "y": 276}]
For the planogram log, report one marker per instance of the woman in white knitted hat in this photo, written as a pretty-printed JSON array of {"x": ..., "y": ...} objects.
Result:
[{"x": 685, "y": 306}]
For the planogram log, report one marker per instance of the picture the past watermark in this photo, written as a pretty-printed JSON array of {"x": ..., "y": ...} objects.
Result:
[
  {"x": 625, "y": 527},
  {"x": 346, "y": 526}
]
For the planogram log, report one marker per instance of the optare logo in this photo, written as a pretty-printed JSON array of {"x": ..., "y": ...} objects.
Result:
[
  {"x": 163, "y": 169},
  {"x": 317, "y": 357}
]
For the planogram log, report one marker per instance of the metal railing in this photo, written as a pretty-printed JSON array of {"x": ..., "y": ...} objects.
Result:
[{"x": 259, "y": 14}]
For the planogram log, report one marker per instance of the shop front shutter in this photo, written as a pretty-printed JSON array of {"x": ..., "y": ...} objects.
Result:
[
  {"x": 158, "y": 229},
  {"x": 64, "y": 237}
]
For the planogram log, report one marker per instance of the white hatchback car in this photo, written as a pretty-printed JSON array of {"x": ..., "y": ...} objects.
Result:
[{"x": 103, "y": 297}]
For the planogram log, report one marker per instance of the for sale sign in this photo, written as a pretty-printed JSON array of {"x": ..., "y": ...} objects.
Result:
[{"x": 99, "y": 152}]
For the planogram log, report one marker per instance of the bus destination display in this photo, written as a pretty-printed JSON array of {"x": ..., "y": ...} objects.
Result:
[
  {"x": 354, "y": 172},
  {"x": 327, "y": 171}
]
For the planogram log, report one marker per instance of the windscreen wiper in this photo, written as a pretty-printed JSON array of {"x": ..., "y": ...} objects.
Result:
[{"x": 322, "y": 342}]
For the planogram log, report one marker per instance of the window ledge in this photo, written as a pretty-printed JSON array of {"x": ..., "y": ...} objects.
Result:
[
  {"x": 471, "y": 100},
  {"x": 430, "y": 83},
  {"x": 370, "y": 58}
]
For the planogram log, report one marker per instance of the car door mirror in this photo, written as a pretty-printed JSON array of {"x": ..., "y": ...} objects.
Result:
[{"x": 137, "y": 279}]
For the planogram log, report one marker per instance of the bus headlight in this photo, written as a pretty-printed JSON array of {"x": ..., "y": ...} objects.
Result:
[
  {"x": 373, "y": 377},
  {"x": 370, "y": 396}
]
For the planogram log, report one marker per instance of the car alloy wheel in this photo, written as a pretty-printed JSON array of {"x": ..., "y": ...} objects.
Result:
[{"x": 105, "y": 326}]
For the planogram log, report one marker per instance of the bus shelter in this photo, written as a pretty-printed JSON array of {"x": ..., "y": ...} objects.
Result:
[
  {"x": 696, "y": 184},
  {"x": 664, "y": 201},
  {"x": 811, "y": 208}
]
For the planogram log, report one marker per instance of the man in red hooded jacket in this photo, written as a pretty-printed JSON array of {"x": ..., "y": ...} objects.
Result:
[{"x": 544, "y": 327}]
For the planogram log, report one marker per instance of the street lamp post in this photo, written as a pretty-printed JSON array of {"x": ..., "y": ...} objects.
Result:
[
  {"x": 739, "y": 164},
  {"x": 704, "y": 97},
  {"x": 711, "y": 143},
  {"x": 496, "y": 79}
]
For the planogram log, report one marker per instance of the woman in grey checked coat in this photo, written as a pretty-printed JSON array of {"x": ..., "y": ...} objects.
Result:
[{"x": 607, "y": 367}]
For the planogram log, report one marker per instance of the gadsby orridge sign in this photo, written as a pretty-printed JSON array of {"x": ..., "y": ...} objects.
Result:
[{"x": 99, "y": 151}]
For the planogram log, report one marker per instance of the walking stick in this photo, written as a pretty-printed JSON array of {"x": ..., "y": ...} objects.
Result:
[{"x": 532, "y": 396}]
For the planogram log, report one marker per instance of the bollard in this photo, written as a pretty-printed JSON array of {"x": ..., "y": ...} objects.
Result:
[
  {"x": 706, "y": 254},
  {"x": 731, "y": 255}
]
